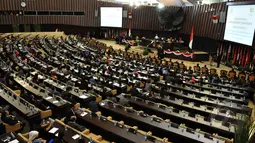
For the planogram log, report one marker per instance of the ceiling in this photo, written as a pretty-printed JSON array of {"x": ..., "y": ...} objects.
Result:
[{"x": 165, "y": 2}]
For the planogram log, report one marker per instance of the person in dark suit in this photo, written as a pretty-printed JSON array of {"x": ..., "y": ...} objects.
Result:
[
  {"x": 134, "y": 91},
  {"x": 70, "y": 114},
  {"x": 8, "y": 119},
  {"x": 218, "y": 60},
  {"x": 39, "y": 103},
  {"x": 68, "y": 96},
  {"x": 60, "y": 137},
  {"x": 93, "y": 105},
  {"x": 72, "y": 123}
]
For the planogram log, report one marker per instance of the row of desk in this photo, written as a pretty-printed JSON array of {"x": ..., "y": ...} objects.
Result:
[
  {"x": 218, "y": 112},
  {"x": 26, "y": 109},
  {"x": 161, "y": 128},
  {"x": 198, "y": 91},
  {"x": 190, "y": 119},
  {"x": 205, "y": 100}
]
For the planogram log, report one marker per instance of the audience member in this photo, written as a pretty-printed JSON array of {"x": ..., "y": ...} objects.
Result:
[
  {"x": 33, "y": 137},
  {"x": 93, "y": 105}
]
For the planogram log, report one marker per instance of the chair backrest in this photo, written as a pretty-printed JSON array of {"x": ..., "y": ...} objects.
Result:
[
  {"x": 223, "y": 72},
  {"x": 196, "y": 69},
  {"x": 182, "y": 66},
  {"x": 213, "y": 71},
  {"x": 251, "y": 77},
  {"x": 204, "y": 69},
  {"x": 45, "y": 114},
  {"x": 241, "y": 75},
  {"x": 232, "y": 75}
]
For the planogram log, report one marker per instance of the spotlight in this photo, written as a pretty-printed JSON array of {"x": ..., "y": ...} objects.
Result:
[
  {"x": 160, "y": 5},
  {"x": 137, "y": 4}
]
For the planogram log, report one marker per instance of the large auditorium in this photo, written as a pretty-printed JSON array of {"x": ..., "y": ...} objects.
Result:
[{"x": 127, "y": 71}]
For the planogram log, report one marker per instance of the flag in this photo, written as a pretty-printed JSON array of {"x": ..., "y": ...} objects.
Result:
[
  {"x": 191, "y": 37},
  {"x": 253, "y": 56},
  {"x": 218, "y": 50},
  {"x": 129, "y": 30},
  {"x": 229, "y": 51},
  {"x": 220, "y": 53},
  {"x": 238, "y": 54},
  {"x": 243, "y": 56},
  {"x": 247, "y": 57},
  {"x": 234, "y": 55}
]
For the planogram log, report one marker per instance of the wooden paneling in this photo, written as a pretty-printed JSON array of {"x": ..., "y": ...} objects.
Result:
[{"x": 144, "y": 18}]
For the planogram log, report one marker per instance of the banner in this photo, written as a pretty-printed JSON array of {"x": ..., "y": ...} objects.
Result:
[{"x": 185, "y": 54}]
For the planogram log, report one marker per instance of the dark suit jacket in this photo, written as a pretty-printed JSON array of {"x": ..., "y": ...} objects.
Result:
[
  {"x": 69, "y": 114},
  {"x": 93, "y": 106}
]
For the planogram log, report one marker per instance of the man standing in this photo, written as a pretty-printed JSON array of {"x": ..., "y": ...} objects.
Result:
[{"x": 160, "y": 52}]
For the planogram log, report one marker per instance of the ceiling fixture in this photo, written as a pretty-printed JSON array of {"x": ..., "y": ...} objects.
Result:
[{"x": 160, "y": 5}]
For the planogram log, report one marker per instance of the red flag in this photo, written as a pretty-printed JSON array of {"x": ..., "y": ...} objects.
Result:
[
  {"x": 243, "y": 57},
  {"x": 253, "y": 56},
  {"x": 220, "y": 53},
  {"x": 240, "y": 55},
  {"x": 229, "y": 51},
  {"x": 218, "y": 50},
  {"x": 247, "y": 57},
  {"x": 191, "y": 38},
  {"x": 234, "y": 54}
]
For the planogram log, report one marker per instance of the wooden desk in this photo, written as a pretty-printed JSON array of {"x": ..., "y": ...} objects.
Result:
[
  {"x": 46, "y": 97},
  {"x": 68, "y": 133},
  {"x": 204, "y": 100},
  {"x": 205, "y": 93},
  {"x": 181, "y": 117},
  {"x": 111, "y": 131},
  {"x": 175, "y": 134},
  {"x": 9, "y": 137},
  {"x": 201, "y": 109},
  {"x": 28, "y": 111}
]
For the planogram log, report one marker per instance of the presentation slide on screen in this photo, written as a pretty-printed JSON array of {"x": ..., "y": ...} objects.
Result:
[
  {"x": 111, "y": 16},
  {"x": 240, "y": 25}
]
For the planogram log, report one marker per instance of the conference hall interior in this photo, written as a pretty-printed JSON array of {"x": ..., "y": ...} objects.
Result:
[{"x": 127, "y": 71}]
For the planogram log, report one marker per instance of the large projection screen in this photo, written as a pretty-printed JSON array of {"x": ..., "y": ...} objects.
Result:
[
  {"x": 111, "y": 16},
  {"x": 240, "y": 24}
]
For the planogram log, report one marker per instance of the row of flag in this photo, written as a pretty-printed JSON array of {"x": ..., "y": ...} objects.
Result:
[{"x": 236, "y": 54}]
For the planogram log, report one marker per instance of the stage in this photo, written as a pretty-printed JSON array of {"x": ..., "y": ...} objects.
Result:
[
  {"x": 139, "y": 49},
  {"x": 195, "y": 56}
]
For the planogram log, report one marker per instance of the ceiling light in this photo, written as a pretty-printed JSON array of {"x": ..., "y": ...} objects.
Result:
[{"x": 160, "y": 5}]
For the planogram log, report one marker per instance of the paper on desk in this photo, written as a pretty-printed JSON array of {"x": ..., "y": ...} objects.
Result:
[
  {"x": 84, "y": 114},
  {"x": 55, "y": 101},
  {"x": 40, "y": 77},
  {"x": 75, "y": 136},
  {"x": 53, "y": 130},
  {"x": 56, "y": 134},
  {"x": 48, "y": 98},
  {"x": 14, "y": 141},
  {"x": 83, "y": 97}
]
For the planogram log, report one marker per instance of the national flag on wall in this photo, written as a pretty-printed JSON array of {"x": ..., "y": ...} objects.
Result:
[
  {"x": 229, "y": 51},
  {"x": 191, "y": 38},
  {"x": 247, "y": 57},
  {"x": 218, "y": 50},
  {"x": 129, "y": 30},
  {"x": 234, "y": 54},
  {"x": 220, "y": 53},
  {"x": 240, "y": 56},
  {"x": 253, "y": 56},
  {"x": 243, "y": 57}
]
